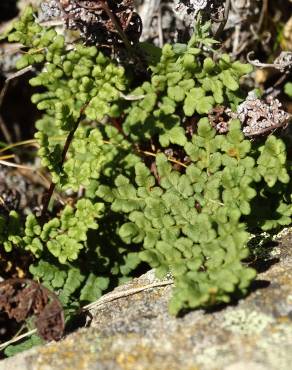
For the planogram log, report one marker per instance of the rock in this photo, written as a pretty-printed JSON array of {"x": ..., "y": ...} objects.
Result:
[{"x": 136, "y": 332}]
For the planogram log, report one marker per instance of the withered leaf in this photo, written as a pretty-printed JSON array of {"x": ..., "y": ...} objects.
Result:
[{"x": 22, "y": 298}]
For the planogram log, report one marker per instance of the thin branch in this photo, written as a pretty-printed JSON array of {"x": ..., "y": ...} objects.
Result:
[
  {"x": 116, "y": 24},
  {"x": 268, "y": 129},
  {"x": 8, "y": 156},
  {"x": 264, "y": 11},
  {"x": 132, "y": 97},
  {"x": 280, "y": 63},
  {"x": 3, "y": 127},
  {"x": 146, "y": 152},
  {"x": 32, "y": 142},
  {"x": 169, "y": 158},
  {"x": 159, "y": 26},
  {"x": 6, "y": 83},
  {"x": 224, "y": 20},
  {"x": 103, "y": 5},
  {"x": 16, "y": 339},
  {"x": 113, "y": 296},
  {"x": 10, "y": 164},
  {"x": 4, "y": 130},
  {"x": 52, "y": 23}
]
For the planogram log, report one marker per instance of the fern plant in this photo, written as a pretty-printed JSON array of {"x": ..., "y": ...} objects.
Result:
[
  {"x": 192, "y": 223},
  {"x": 183, "y": 83},
  {"x": 151, "y": 180}
]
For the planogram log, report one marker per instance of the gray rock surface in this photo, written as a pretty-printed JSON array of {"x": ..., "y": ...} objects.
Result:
[{"x": 135, "y": 332}]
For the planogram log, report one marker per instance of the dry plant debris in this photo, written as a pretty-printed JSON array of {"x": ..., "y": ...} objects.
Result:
[
  {"x": 99, "y": 22},
  {"x": 22, "y": 298}
]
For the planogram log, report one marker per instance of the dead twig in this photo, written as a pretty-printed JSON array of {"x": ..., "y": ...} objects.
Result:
[
  {"x": 264, "y": 11},
  {"x": 6, "y": 83},
  {"x": 224, "y": 20},
  {"x": 169, "y": 158},
  {"x": 117, "y": 295},
  {"x": 4, "y": 130},
  {"x": 3, "y": 127},
  {"x": 16, "y": 339},
  {"x": 10, "y": 164},
  {"x": 159, "y": 26},
  {"x": 282, "y": 62},
  {"x": 132, "y": 97}
]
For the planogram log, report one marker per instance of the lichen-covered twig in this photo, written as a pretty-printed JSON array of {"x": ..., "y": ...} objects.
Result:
[{"x": 283, "y": 62}]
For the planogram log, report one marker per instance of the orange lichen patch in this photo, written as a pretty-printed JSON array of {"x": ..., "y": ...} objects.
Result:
[
  {"x": 283, "y": 319},
  {"x": 77, "y": 351},
  {"x": 126, "y": 360},
  {"x": 142, "y": 356}
]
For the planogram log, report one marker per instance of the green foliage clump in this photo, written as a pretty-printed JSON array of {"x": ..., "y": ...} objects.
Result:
[
  {"x": 57, "y": 244},
  {"x": 9, "y": 230},
  {"x": 192, "y": 223},
  {"x": 190, "y": 213},
  {"x": 184, "y": 80},
  {"x": 79, "y": 92},
  {"x": 63, "y": 235},
  {"x": 80, "y": 84}
]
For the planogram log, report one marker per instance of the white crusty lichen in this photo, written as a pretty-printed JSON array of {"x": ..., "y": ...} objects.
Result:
[
  {"x": 284, "y": 232},
  {"x": 210, "y": 355},
  {"x": 276, "y": 347},
  {"x": 189, "y": 9},
  {"x": 246, "y": 322},
  {"x": 199, "y": 4}
]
